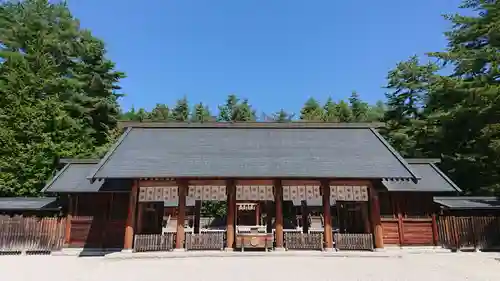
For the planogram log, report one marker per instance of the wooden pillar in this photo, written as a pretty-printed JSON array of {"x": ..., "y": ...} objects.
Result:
[
  {"x": 140, "y": 217},
  {"x": 401, "y": 232},
  {"x": 366, "y": 217},
  {"x": 129, "y": 226},
  {"x": 181, "y": 215},
  {"x": 327, "y": 216},
  {"x": 197, "y": 216},
  {"x": 69, "y": 217},
  {"x": 269, "y": 218},
  {"x": 278, "y": 200},
  {"x": 305, "y": 216},
  {"x": 375, "y": 218},
  {"x": 434, "y": 230},
  {"x": 257, "y": 214},
  {"x": 231, "y": 210}
]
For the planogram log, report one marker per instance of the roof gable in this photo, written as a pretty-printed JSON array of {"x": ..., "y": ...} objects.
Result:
[
  {"x": 433, "y": 179},
  {"x": 73, "y": 179},
  {"x": 249, "y": 151}
]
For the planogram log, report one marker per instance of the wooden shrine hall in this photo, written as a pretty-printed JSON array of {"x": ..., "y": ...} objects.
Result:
[{"x": 283, "y": 186}]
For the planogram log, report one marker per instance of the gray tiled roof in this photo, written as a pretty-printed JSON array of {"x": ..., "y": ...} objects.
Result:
[
  {"x": 73, "y": 178},
  {"x": 26, "y": 203},
  {"x": 433, "y": 179},
  {"x": 341, "y": 152},
  {"x": 468, "y": 202}
]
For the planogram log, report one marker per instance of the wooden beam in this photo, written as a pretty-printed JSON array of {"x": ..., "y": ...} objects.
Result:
[
  {"x": 375, "y": 218},
  {"x": 327, "y": 216},
  {"x": 130, "y": 223},
  {"x": 179, "y": 238},
  {"x": 278, "y": 199},
  {"x": 69, "y": 217},
  {"x": 231, "y": 210}
]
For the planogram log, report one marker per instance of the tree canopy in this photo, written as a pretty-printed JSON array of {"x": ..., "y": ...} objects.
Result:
[
  {"x": 59, "y": 98},
  {"x": 58, "y": 93}
]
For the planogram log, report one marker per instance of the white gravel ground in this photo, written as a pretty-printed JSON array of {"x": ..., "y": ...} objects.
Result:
[{"x": 426, "y": 267}]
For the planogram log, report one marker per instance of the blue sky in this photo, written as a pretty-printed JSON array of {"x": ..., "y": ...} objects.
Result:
[{"x": 276, "y": 53}]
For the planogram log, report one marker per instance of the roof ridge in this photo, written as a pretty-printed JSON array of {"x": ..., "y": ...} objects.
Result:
[
  {"x": 396, "y": 154},
  {"x": 249, "y": 125}
]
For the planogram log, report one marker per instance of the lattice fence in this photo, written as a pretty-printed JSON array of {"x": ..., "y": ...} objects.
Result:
[
  {"x": 353, "y": 241},
  {"x": 154, "y": 242},
  {"x": 209, "y": 240}
]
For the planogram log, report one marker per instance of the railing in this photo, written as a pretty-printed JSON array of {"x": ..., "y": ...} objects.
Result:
[
  {"x": 303, "y": 241},
  {"x": 154, "y": 242},
  {"x": 31, "y": 234},
  {"x": 353, "y": 241},
  {"x": 206, "y": 240},
  {"x": 482, "y": 233}
]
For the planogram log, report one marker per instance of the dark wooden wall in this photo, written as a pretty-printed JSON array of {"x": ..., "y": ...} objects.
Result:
[
  {"x": 98, "y": 220},
  {"x": 408, "y": 218}
]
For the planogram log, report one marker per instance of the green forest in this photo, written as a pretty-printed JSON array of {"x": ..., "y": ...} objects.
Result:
[{"x": 60, "y": 98}]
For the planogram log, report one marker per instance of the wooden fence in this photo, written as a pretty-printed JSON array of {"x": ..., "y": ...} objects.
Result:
[
  {"x": 353, "y": 241},
  {"x": 409, "y": 231},
  {"x": 207, "y": 240},
  {"x": 31, "y": 234},
  {"x": 154, "y": 242},
  {"x": 482, "y": 233},
  {"x": 303, "y": 241}
]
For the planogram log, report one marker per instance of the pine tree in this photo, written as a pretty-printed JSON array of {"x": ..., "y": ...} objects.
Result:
[
  {"x": 201, "y": 113},
  {"x": 311, "y": 111},
  {"x": 57, "y": 90},
  {"x": 243, "y": 112},
  {"x": 180, "y": 112},
  {"x": 410, "y": 83},
  {"x": 344, "y": 112},
  {"x": 282, "y": 116},
  {"x": 226, "y": 111},
  {"x": 161, "y": 112},
  {"x": 465, "y": 123},
  {"x": 330, "y": 113},
  {"x": 359, "y": 108}
]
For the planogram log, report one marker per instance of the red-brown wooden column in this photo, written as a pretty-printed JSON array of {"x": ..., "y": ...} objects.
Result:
[
  {"x": 327, "y": 216},
  {"x": 231, "y": 210},
  {"x": 278, "y": 200},
  {"x": 179, "y": 238},
  {"x": 129, "y": 226},
  {"x": 375, "y": 219},
  {"x": 69, "y": 217}
]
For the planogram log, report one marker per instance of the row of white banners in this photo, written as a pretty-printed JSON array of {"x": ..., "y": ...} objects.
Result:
[{"x": 252, "y": 193}]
